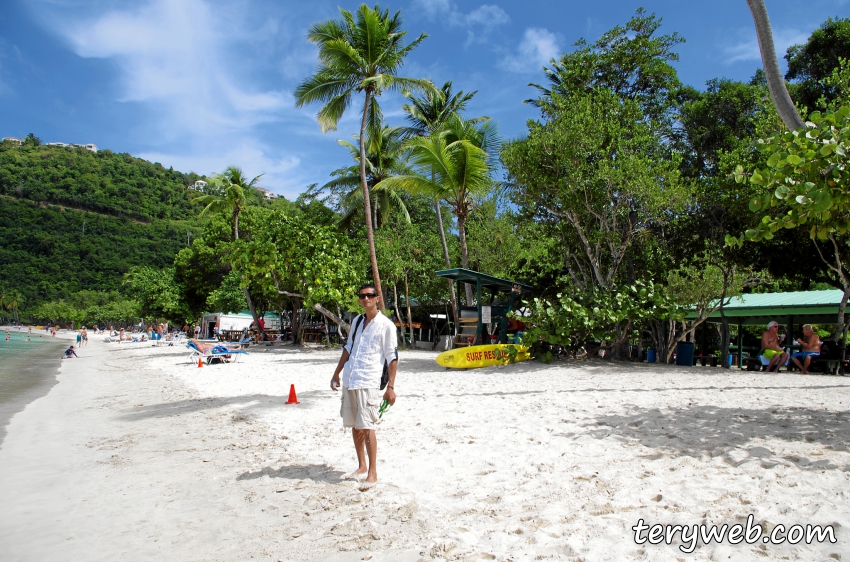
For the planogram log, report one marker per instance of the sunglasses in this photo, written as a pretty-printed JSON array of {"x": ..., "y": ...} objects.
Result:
[{"x": 367, "y": 296}]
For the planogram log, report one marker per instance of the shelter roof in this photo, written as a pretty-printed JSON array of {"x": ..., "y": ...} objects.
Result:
[
  {"x": 487, "y": 281},
  {"x": 804, "y": 306}
]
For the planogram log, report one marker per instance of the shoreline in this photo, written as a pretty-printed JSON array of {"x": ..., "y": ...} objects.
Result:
[
  {"x": 139, "y": 454},
  {"x": 41, "y": 363}
]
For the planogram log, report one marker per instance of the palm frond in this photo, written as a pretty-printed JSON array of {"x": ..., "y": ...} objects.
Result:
[{"x": 330, "y": 113}]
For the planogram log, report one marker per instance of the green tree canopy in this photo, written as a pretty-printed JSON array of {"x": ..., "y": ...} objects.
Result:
[
  {"x": 811, "y": 64},
  {"x": 630, "y": 60},
  {"x": 362, "y": 52},
  {"x": 595, "y": 164}
]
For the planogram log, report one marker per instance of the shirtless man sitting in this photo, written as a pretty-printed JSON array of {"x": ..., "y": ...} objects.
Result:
[
  {"x": 770, "y": 347},
  {"x": 810, "y": 343}
]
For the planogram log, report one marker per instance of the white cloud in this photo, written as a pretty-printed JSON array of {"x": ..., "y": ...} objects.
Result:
[
  {"x": 254, "y": 159},
  {"x": 434, "y": 8},
  {"x": 479, "y": 23},
  {"x": 537, "y": 48},
  {"x": 747, "y": 49},
  {"x": 174, "y": 54},
  {"x": 191, "y": 67}
]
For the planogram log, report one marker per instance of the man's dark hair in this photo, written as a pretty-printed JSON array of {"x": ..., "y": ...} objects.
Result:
[{"x": 367, "y": 286}]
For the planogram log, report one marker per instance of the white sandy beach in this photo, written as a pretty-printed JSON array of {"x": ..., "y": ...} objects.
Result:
[{"x": 139, "y": 455}]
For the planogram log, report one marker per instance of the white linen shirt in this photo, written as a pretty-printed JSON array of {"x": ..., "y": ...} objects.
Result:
[{"x": 373, "y": 345}]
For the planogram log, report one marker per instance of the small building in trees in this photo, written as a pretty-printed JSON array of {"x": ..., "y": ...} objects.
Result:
[{"x": 266, "y": 193}]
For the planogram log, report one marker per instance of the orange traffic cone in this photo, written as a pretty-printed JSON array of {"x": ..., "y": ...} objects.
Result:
[
  {"x": 293, "y": 399},
  {"x": 200, "y": 363}
]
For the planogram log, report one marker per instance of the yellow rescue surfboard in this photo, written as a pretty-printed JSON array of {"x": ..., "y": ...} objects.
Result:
[{"x": 480, "y": 356}]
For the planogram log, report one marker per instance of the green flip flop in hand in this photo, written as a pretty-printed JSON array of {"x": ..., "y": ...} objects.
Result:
[{"x": 385, "y": 405}]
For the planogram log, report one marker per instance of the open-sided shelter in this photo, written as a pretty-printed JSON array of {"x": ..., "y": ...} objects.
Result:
[
  {"x": 496, "y": 310},
  {"x": 792, "y": 309}
]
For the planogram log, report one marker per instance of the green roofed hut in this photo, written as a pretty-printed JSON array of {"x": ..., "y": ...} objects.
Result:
[
  {"x": 791, "y": 309},
  {"x": 478, "y": 316}
]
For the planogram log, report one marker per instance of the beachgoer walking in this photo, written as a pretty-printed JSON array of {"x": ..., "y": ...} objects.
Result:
[
  {"x": 371, "y": 344},
  {"x": 85, "y": 337},
  {"x": 810, "y": 343},
  {"x": 770, "y": 347}
]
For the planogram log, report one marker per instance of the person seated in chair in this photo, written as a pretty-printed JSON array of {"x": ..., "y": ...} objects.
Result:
[
  {"x": 770, "y": 347},
  {"x": 810, "y": 343}
]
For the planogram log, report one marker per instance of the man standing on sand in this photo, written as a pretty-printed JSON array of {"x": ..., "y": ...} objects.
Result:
[
  {"x": 810, "y": 343},
  {"x": 371, "y": 344},
  {"x": 770, "y": 347}
]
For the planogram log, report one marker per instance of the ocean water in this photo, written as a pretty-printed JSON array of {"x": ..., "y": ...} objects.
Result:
[{"x": 28, "y": 370}]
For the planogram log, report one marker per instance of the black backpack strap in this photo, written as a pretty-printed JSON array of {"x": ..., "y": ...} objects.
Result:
[{"x": 354, "y": 331}]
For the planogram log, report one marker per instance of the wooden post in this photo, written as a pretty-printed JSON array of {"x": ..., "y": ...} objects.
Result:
[{"x": 740, "y": 344}]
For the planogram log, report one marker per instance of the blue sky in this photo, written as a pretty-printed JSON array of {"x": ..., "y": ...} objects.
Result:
[{"x": 203, "y": 84}]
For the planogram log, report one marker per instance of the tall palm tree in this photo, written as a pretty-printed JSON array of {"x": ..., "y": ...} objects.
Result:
[
  {"x": 775, "y": 81},
  {"x": 426, "y": 115},
  {"x": 12, "y": 302},
  {"x": 362, "y": 52},
  {"x": 386, "y": 155},
  {"x": 460, "y": 156},
  {"x": 232, "y": 201}
]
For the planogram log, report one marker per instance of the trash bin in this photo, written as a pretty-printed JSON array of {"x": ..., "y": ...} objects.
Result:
[
  {"x": 650, "y": 356},
  {"x": 685, "y": 353}
]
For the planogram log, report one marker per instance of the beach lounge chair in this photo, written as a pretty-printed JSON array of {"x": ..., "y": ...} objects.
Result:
[{"x": 218, "y": 352}]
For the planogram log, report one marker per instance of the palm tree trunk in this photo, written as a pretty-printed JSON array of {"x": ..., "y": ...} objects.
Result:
[
  {"x": 464, "y": 254},
  {"x": 370, "y": 235},
  {"x": 248, "y": 300},
  {"x": 775, "y": 81},
  {"x": 446, "y": 257},
  {"x": 398, "y": 315},
  {"x": 409, "y": 312}
]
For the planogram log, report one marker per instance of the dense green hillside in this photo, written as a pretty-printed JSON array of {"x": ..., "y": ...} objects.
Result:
[
  {"x": 73, "y": 220},
  {"x": 105, "y": 182}
]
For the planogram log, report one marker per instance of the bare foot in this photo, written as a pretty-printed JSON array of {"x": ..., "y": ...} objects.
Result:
[
  {"x": 368, "y": 485},
  {"x": 358, "y": 474}
]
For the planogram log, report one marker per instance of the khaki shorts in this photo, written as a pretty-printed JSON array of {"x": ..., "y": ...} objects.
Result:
[{"x": 360, "y": 407}]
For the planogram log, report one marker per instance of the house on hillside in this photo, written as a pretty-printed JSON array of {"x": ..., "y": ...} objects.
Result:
[
  {"x": 266, "y": 193},
  {"x": 199, "y": 185},
  {"x": 15, "y": 140}
]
